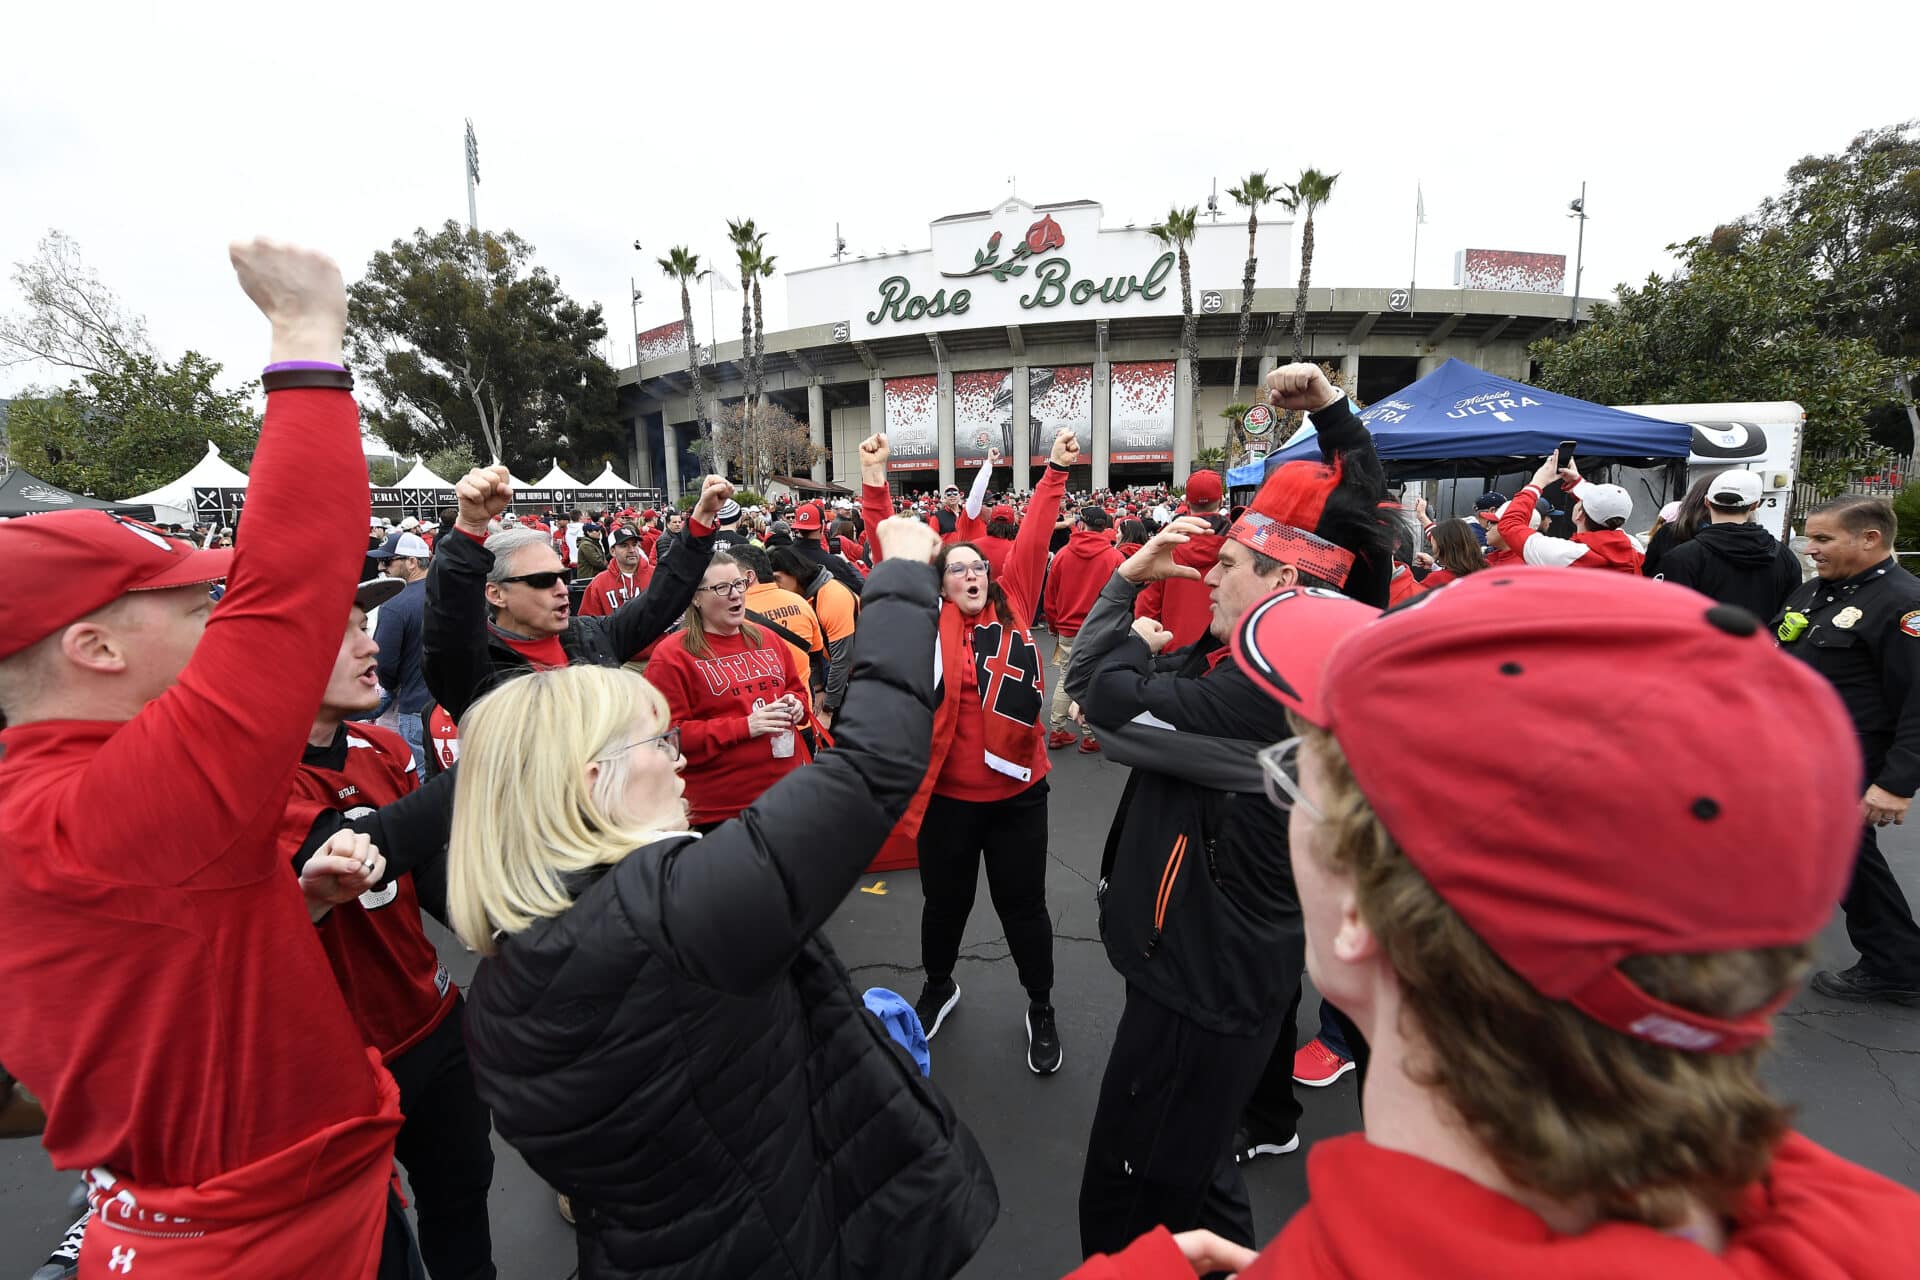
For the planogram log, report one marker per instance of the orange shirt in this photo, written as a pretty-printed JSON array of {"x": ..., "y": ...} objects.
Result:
[{"x": 776, "y": 604}]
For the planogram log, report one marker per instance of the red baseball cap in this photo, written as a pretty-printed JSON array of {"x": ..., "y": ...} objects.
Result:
[
  {"x": 62, "y": 566},
  {"x": 1203, "y": 486},
  {"x": 1603, "y": 829},
  {"x": 1285, "y": 647},
  {"x": 1003, "y": 512},
  {"x": 807, "y": 518}
]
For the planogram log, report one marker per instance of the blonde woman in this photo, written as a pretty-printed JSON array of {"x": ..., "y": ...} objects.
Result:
[{"x": 657, "y": 1026}]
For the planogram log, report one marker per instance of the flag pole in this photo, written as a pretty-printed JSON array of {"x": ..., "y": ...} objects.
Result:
[{"x": 1419, "y": 216}]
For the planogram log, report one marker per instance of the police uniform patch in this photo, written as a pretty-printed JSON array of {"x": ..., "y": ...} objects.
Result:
[
  {"x": 1910, "y": 623},
  {"x": 1847, "y": 617}
]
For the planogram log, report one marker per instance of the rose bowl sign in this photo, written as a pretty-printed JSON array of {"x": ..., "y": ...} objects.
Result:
[{"x": 1019, "y": 264}]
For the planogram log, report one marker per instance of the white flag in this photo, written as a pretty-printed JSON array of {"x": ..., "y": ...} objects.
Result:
[{"x": 1419, "y": 204}]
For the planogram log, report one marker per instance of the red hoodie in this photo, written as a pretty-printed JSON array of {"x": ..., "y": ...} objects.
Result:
[
  {"x": 1078, "y": 572},
  {"x": 1181, "y": 605},
  {"x": 1815, "y": 1217}
]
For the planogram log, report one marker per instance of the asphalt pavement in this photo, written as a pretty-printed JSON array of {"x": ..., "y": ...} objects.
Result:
[{"x": 1852, "y": 1070}]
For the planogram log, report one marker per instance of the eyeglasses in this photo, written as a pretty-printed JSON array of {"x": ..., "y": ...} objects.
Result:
[
  {"x": 738, "y": 587},
  {"x": 668, "y": 743},
  {"x": 538, "y": 581},
  {"x": 967, "y": 570},
  {"x": 1280, "y": 767}
]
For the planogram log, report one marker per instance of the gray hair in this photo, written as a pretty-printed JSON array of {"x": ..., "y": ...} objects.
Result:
[{"x": 509, "y": 543}]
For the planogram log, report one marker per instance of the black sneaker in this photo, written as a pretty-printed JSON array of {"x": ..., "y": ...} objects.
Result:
[
  {"x": 935, "y": 1003},
  {"x": 1247, "y": 1148},
  {"x": 1858, "y": 983},
  {"x": 64, "y": 1262},
  {"x": 1043, "y": 1040}
]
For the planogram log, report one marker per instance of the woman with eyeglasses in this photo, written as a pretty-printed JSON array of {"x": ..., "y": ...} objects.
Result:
[
  {"x": 658, "y": 1027},
  {"x": 736, "y": 695},
  {"x": 984, "y": 798}
]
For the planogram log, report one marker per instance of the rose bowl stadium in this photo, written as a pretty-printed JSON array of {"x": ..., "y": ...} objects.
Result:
[{"x": 1024, "y": 318}]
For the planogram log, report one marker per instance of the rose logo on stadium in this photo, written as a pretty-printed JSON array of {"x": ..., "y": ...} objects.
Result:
[{"x": 1041, "y": 236}]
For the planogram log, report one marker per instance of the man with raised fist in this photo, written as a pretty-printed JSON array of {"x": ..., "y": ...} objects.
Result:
[
  {"x": 497, "y": 605},
  {"x": 167, "y": 999}
]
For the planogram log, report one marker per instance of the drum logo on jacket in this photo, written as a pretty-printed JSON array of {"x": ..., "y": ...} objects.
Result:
[{"x": 1006, "y": 666}]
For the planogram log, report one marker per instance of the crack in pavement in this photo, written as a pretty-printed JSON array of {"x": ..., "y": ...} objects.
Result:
[{"x": 1069, "y": 866}]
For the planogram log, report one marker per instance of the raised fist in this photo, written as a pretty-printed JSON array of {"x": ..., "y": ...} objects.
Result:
[
  {"x": 1066, "y": 448},
  {"x": 873, "y": 459},
  {"x": 904, "y": 539},
  {"x": 483, "y": 493},
  {"x": 1300, "y": 386},
  {"x": 300, "y": 292},
  {"x": 714, "y": 490},
  {"x": 1156, "y": 636}
]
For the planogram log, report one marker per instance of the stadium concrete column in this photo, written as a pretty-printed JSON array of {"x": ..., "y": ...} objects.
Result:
[
  {"x": 1102, "y": 406},
  {"x": 876, "y": 409},
  {"x": 817, "y": 430},
  {"x": 642, "y": 456},
  {"x": 1182, "y": 420},
  {"x": 670, "y": 437},
  {"x": 1019, "y": 464},
  {"x": 945, "y": 428},
  {"x": 1350, "y": 374}
]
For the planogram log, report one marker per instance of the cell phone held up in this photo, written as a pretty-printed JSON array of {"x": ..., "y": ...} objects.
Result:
[{"x": 1564, "y": 458}]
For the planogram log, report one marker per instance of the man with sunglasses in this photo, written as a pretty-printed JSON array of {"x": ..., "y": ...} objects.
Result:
[
  {"x": 1197, "y": 903},
  {"x": 498, "y": 606}
]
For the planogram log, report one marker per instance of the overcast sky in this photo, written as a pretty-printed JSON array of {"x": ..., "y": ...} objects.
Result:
[{"x": 154, "y": 134}]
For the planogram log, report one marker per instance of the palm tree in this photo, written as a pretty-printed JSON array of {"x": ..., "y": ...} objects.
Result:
[
  {"x": 684, "y": 265},
  {"x": 1309, "y": 191},
  {"x": 746, "y": 247},
  {"x": 1177, "y": 231},
  {"x": 1252, "y": 192},
  {"x": 763, "y": 270}
]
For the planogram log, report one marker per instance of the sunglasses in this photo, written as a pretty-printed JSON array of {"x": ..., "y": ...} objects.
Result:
[
  {"x": 538, "y": 581},
  {"x": 1280, "y": 769}
]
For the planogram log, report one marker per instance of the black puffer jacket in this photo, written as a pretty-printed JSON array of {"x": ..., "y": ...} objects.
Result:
[
  {"x": 685, "y": 1057},
  {"x": 1739, "y": 564},
  {"x": 462, "y": 658}
]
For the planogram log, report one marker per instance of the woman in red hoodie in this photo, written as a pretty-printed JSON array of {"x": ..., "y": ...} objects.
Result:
[
  {"x": 1566, "y": 1015},
  {"x": 736, "y": 698},
  {"x": 984, "y": 798}
]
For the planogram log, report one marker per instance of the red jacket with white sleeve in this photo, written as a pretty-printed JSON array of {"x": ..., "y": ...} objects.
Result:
[{"x": 1608, "y": 549}]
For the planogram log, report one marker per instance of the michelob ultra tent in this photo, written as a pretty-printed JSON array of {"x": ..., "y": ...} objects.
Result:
[{"x": 1459, "y": 419}]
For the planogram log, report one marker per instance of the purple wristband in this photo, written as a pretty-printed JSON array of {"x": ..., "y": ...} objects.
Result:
[{"x": 288, "y": 366}]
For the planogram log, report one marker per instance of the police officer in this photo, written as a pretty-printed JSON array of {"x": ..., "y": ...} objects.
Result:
[{"x": 1858, "y": 624}]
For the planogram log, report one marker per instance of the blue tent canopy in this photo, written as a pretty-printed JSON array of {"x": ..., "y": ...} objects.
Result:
[{"x": 1458, "y": 411}]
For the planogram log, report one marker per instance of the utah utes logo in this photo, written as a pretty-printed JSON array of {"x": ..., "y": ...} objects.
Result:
[{"x": 1006, "y": 666}]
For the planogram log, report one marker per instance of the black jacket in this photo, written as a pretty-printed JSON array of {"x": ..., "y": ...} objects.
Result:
[
  {"x": 1197, "y": 905},
  {"x": 818, "y": 553},
  {"x": 683, "y": 1055},
  {"x": 1863, "y": 634},
  {"x": 464, "y": 658},
  {"x": 1739, "y": 564}
]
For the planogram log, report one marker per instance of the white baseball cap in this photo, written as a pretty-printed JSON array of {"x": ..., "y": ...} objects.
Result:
[
  {"x": 1734, "y": 489},
  {"x": 1603, "y": 502}
]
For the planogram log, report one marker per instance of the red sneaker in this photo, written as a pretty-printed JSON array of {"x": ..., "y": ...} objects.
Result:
[
  {"x": 1317, "y": 1066},
  {"x": 1061, "y": 738},
  {"x": 1089, "y": 745}
]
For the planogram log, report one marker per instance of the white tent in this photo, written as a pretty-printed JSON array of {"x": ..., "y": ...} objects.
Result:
[
  {"x": 606, "y": 480},
  {"x": 173, "y": 503},
  {"x": 422, "y": 478},
  {"x": 557, "y": 479}
]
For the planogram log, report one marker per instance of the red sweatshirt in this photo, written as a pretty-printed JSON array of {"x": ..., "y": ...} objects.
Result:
[
  {"x": 1183, "y": 605},
  {"x": 727, "y": 767},
  {"x": 165, "y": 994},
  {"x": 611, "y": 588},
  {"x": 1073, "y": 582},
  {"x": 1816, "y": 1217},
  {"x": 390, "y": 974}
]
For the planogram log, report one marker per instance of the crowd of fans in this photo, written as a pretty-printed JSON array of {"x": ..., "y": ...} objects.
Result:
[{"x": 601, "y": 746}]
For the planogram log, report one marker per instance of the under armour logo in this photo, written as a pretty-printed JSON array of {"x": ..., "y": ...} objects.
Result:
[{"x": 121, "y": 1261}]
